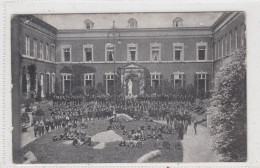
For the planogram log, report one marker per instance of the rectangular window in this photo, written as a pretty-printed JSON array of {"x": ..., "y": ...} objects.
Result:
[
  {"x": 222, "y": 47},
  {"x": 66, "y": 82},
  {"x": 35, "y": 48},
  {"x": 88, "y": 53},
  {"x": 230, "y": 42},
  {"x": 242, "y": 35},
  {"x": 132, "y": 52},
  {"x": 178, "y": 80},
  {"x": 215, "y": 51},
  {"x": 109, "y": 83},
  {"x": 201, "y": 51},
  {"x": 226, "y": 45},
  {"x": 47, "y": 53},
  {"x": 27, "y": 45},
  {"x": 53, "y": 52},
  {"x": 236, "y": 39},
  {"x": 155, "y": 80},
  {"x": 178, "y": 53},
  {"x": 110, "y": 52},
  {"x": 155, "y": 52},
  {"x": 66, "y": 54},
  {"x": 202, "y": 81},
  {"x": 218, "y": 54},
  {"x": 53, "y": 83},
  {"x": 41, "y": 50},
  {"x": 88, "y": 79}
]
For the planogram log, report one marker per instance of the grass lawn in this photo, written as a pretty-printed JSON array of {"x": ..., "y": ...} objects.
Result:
[{"x": 48, "y": 151}]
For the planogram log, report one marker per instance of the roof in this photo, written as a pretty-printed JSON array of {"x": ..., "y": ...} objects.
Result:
[{"x": 144, "y": 20}]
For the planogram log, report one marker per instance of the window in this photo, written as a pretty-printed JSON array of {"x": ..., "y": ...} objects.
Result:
[
  {"x": 41, "y": 50},
  {"x": 89, "y": 24},
  {"x": 89, "y": 79},
  {"x": 35, "y": 48},
  {"x": 202, "y": 81},
  {"x": 53, "y": 83},
  {"x": 27, "y": 45},
  {"x": 28, "y": 84},
  {"x": 236, "y": 39},
  {"x": 110, "y": 51},
  {"x": 109, "y": 83},
  {"x": 88, "y": 53},
  {"x": 42, "y": 85},
  {"x": 178, "y": 53},
  {"x": 66, "y": 54},
  {"x": 47, "y": 53},
  {"x": 47, "y": 83},
  {"x": 155, "y": 52},
  {"x": 132, "y": 23},
  {"x": 222, "y": 47},
  {"x": 155, "y": 80},
  {"x": 53, "y": 52},
  {"x": 178, "y": 22},
  {"x": 218, "y": 50},
  {"x": 177, "y": 80},
  {"x": 215, "y": 51},
  {"x": 226, "y": 45},
  {"x": 242, "y": 35},
  {"x": 201, "y": 51},
  {"x": 66, "y": 82},
  {"x": 230, "y": 42},
  {"x": 132, "y": 52}
]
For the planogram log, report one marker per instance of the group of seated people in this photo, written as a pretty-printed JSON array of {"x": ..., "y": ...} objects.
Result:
[{"x": 76, "y": 134}]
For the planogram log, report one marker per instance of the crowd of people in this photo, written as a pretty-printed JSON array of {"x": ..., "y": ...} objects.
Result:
[{"x": 69, "y": 110}]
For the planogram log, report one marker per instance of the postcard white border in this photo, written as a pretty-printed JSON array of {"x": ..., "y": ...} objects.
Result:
[{"x": 252, "y": 9}]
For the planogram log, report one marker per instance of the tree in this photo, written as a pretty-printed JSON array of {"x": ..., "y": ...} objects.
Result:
[{"x": 228, "y": 108}]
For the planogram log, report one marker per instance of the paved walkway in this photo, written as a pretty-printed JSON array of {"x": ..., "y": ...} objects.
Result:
[
  {"x": 196, "y": 148},
  {"x": 27, "y": 137}
]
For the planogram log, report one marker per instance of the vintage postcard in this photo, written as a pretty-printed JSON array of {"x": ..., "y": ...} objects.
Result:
[{"x": 128, "y": 87}]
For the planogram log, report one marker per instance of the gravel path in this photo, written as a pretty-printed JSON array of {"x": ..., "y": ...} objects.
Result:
[{"x": 196, "y": 148}]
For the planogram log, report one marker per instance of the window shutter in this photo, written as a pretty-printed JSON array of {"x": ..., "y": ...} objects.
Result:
[
  {"x": 61, "y": 83},
  {"x": 207, "y": 82},
  {"x": 172, "y": 79},
  {"x": 184, "y": 80},
  {"x": 72, "y": 83},
  {"x": 94, "y": 80},
  {"x": 161, "y": 82},
  {"x": 196, "y": 82}
]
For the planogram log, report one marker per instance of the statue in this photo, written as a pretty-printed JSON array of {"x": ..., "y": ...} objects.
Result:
[{"x": 130, "y": 88}]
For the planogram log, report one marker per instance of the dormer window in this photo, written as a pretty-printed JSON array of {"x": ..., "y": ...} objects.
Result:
[
  {"x": 177, "y": 22},
  {"x": 132, "y": 23},
  {"x": 89, "y": 24}
]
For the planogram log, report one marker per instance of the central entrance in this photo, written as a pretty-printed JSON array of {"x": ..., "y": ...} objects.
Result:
[{"x": 132, "y": 79}]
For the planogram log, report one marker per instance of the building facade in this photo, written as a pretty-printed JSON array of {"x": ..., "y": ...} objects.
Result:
[{"x": 179, "y": 56}]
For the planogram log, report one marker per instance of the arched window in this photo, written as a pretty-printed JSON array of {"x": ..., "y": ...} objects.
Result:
[
  {"x": 177, "y": 22},
  {"x": 132, "y": 23},
  {"x": 89, "y": 24}
]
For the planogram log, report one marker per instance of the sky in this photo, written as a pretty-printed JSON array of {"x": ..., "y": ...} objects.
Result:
[{"x": 144, "y": 20}]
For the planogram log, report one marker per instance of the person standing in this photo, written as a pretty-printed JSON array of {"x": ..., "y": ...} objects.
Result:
[
  {"x": 195, "y": 127},
  {"x": 181, "y": 130}
]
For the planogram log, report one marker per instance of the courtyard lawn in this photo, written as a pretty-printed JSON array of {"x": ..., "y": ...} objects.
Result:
[{"x": 48, "y": 151}]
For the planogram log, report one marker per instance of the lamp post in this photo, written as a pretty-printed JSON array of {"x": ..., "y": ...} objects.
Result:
[{"x": 115, "y": 35}]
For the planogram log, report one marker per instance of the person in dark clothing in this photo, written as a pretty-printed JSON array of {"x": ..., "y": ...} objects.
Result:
[
  {"x": 195, "y": 127},
  {"x": 181, "y": 131}
]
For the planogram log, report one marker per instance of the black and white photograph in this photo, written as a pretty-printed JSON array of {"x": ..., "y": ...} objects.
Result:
[{"x": 129, "y": 87}]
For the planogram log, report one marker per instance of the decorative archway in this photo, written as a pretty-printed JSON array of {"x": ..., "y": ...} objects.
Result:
[{"x": 134, "y": 72}]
